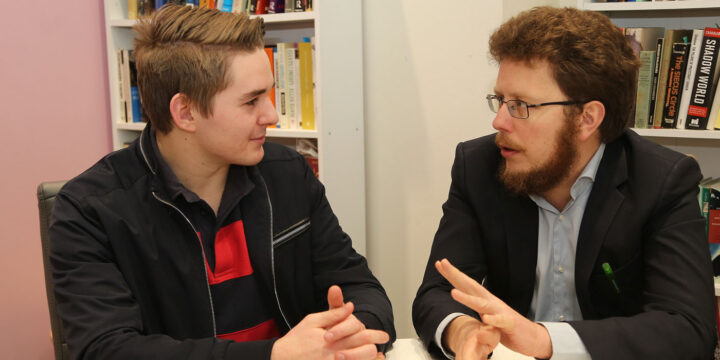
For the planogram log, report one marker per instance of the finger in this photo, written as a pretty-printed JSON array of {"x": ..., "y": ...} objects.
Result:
[
  {"x": 351, "y": 325},
  {"x": 364, "y": 352},
  {"x": 471, "y": 350},
  {"x": 459, "y": 280},
  {"x": 335, "y": 297},
  {"x": 326, "y": 319},
  {"x": 481, "y": 306},
  {"x": 364, "y": 337},
  {"x": 499, "y": 321},
  {"x": 380, "y": 356}
]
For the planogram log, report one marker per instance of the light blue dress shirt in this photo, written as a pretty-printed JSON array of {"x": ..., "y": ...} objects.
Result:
[{"x": 554, "y": 298}]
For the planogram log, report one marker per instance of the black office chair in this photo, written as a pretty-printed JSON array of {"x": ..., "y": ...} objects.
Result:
[{"x": 46, "y": 198}]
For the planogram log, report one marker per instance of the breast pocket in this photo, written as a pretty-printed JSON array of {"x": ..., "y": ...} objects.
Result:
[{"x": 291, "y": 233}]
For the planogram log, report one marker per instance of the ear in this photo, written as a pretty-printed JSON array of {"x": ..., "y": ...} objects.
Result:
[
  {"x": 592, "y": 116},
  {"x": 182, "y": 113}
]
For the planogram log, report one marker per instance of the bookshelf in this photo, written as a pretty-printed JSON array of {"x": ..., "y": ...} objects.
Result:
[
  {"x": 689, "y": 14},
  {"x": 339, "y": 118}
]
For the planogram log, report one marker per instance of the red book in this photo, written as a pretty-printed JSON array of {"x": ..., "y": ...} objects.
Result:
[{"x": 262, "y": 7}]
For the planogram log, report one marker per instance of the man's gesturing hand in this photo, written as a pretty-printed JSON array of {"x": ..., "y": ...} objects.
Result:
[
  {"x": 470, "y": 339},
  {"x": 517, "y": 332},
  {"x": 330, "y": 335}
]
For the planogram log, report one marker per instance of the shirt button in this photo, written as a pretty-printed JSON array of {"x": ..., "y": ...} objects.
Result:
[
  {"x": 561, "y": 218},
  {"x": 561, "y": 317},
  {"x": 561, "y": 269}
]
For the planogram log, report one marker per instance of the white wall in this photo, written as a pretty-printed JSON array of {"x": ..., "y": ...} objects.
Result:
[{"x": 426, "y": 76}]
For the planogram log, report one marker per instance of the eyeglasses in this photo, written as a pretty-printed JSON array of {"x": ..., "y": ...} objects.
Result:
[{"x": 518, "y": 108}]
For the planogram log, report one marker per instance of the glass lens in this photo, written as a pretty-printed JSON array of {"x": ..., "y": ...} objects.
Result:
[{"x": 493, "y": 103}]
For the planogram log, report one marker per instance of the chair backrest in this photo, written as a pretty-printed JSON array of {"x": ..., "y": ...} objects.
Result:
[{"x": 46, "y": 198}]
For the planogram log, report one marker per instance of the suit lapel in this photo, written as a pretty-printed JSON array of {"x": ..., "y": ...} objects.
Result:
[
  {"x": 600, "y": 211},
  {"x": 521, "y": 226}
]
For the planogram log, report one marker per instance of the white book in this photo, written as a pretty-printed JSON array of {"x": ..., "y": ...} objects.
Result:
[
  {"x": 298, "y": 93},
  {"x": 711, "y": 124},
  {"x": 282, "y": 86},
  {"x": 693, "y": 57},
  {"x": 292, "y": 88}
]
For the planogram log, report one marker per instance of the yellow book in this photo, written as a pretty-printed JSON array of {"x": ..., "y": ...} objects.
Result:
[
  {"x": 132, "y": 9},
  {"x": 306, "y": 86}
]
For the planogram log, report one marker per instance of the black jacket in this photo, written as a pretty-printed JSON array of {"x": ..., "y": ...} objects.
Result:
[
  {"x": 642, "y": 217},
  {"x": 130, "y": 277}
]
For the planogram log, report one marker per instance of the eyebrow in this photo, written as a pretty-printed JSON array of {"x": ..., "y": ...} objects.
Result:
[{"x": 257, "y": 92}]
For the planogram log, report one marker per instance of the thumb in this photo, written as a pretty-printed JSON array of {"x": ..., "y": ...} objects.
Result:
[
  {"x": 335, "y": 297},
  {"x": 327, "y": 319}
]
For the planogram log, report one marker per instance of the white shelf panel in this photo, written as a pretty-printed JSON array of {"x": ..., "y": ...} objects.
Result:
[
  {"x": 286, "y": 133},
  {"x": 284, "y": 18},
  {"x": 681, "y": 134},
  {"x": 651, "y": 5}
]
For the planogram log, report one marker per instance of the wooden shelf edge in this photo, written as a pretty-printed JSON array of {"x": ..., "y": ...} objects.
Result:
[{"x": 286, "y": 133}]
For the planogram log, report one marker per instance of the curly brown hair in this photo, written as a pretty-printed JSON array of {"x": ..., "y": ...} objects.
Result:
[
  {"x": 182, "y": 49},
  {"x": 588, "y": 55}
]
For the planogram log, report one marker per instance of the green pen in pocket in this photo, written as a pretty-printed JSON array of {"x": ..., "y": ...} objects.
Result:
[{"x": 611, "y": 276}]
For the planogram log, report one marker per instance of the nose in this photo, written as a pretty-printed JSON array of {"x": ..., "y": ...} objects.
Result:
[
  {"x": 502, "y": 121},
  {"x": 269, "y": 114}
]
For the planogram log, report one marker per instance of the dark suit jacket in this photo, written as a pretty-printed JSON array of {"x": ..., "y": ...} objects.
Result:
[{"x": 642, "y": 217}]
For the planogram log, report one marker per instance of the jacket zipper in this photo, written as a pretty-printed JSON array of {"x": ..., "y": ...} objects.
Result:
[
  {"x": 207, "y": 281},
  {"x": 272, "y": 255}
]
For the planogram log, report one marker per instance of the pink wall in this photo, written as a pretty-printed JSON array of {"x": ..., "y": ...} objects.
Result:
[{"x": 54, "y": 108}]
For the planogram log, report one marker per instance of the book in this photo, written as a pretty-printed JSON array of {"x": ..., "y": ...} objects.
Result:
[
  {"x": 281, "y": 80},
  {"x": 705, "y": 80},
  {"x": 122, "y": 97},
  {"x": 132, "y": 9},
  {"x": 277, "y": 84},
  {"x": 261, "y": 7},
  {"x": 299, "y": 6},
  {"x": 642, "y": 99},
  {"x": 653, "y": 88},
  {"x": 693, "y": 56},
  {"x": 269, "y": 53},
  {"x": 137, "y": 113},
  {"x": 306, "y": 85},
  {"x": 291, "y": 79},
  {"x": 671, "y": 37},
  {"x": 125, "y": 83},
  {"x": 289, "y": 5},
  {"x": 714, "y": 117},
  {"x": 676, "y": 76}
]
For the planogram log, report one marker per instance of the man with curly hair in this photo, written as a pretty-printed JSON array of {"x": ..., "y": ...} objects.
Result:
[{"x": 565, "y": 235}]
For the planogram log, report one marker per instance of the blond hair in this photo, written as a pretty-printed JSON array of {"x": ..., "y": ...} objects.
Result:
[{"x": 181, "y": 49}]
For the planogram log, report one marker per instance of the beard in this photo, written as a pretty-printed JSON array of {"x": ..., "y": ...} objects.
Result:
[{"x": 543, "y": 177}]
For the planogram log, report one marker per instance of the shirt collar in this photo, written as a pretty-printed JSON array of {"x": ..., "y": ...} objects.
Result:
[{"x": 238, "y": 182}]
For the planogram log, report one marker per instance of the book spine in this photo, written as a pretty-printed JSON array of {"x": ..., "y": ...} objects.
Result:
[
  {"x": 282, "y": 85},
  {"x": 306, "y": 85},
  {"x": 693, "y": 56},
  {"x": 261, "y": 7},
  {"x": 289, "y": 5},
  {"x": 700, "y": 100},
  {"x": 291, "y": 86},
  {"x": 271, "y": 59},
  {"x": 272, "y": 6},
  {"x": 132, "y": 9},
  {"x": 122, "y": 98},
  {"x": 127, "y": 89},
  {"x": 299, "y": 6},
  {"x": 656, "y": 71},
  {"x": 137, "y": 114},
  {"x": 662, "y": 79},
  {"x": 678, "y": 60},
  {"x": 277, "y": 84},
  {"x": 642, "y": 101},
  {"x": 714, "y": 119}
]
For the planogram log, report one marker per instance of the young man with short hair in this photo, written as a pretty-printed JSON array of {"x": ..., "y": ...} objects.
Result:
[
  {"x": 201, "y": 240},
  {"x": 587, "y": 238}
]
